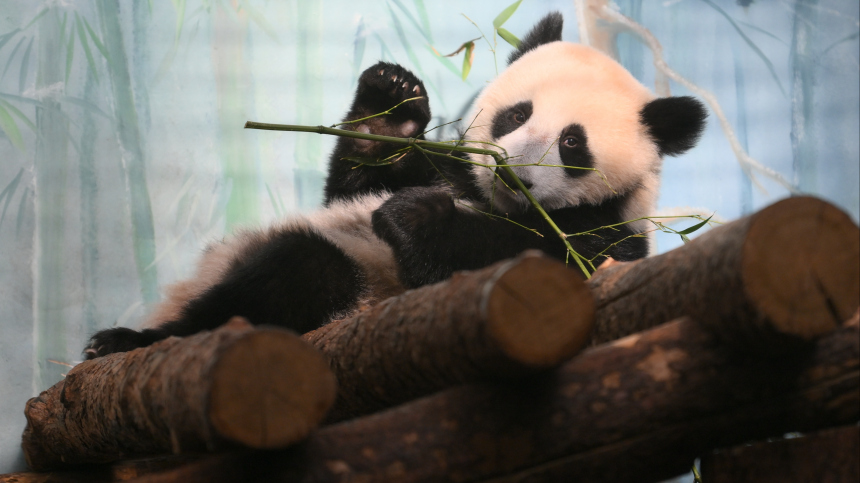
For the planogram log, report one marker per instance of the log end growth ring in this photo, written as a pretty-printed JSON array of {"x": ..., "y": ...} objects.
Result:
[
  {"x": 540, "y": 312},
  {"x": 269, "y": 390},
  {"x": 802, "y": 266}
]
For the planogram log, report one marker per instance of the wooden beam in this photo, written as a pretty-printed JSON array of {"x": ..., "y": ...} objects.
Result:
[
  {"x": 770, "y": 282},
  {"x": 516, "y": 317},
  {"x": 236, "y": 385},
  {"x": 830, "y": 456}
]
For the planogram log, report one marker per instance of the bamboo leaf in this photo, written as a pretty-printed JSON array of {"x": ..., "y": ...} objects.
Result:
[
  {"x": 20, "y": 115},
  {"x": 96, "y": 40},
  {"x": 11, "y": 129},
  {"x": 25, "y": 100},
  {"x": 63, "y": 27},
  {"x": 37, "y": 17},
  {"x": 694, "y": 227},
  {"x": 508, "y": 37},
  {"x": 12, "y": 56},
  {"x": 9, "y": 192},
  {"x": 83, "y": 38},
  {"x": 25, "y": 66},
  {"x": 506, "y": 14},
  {"x": 70, "y": 54},
  {"x": 468, "y": 59},
  {"x": 750, "y": 43},
  {"x": 464, "y": 45},
  {"x": 413, "y": 20}
]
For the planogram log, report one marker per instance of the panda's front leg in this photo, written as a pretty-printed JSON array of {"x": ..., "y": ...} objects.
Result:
[
  {"x": 380, "y": 88},
  {"x": 433, "y": 235}
]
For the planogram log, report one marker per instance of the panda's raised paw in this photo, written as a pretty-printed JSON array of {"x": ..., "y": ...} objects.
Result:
[
  {"x": 384, "y": 85},
  {"x": 119, "y": 339}
]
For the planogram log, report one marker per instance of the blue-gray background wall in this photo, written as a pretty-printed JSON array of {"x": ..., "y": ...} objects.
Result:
[{"x": 122, "y": 150}]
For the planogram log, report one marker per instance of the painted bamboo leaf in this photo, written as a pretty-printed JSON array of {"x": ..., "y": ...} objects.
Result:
[
  {"x": 70, "y": 54},
  {"x": 12, "y": 56},
  {"x": 8, "y": 192},
  {"x": 83, "y": 38},
  {"x": 10, "y": 128},
  {"x": 5, "y": 38},
  {"x": 25, "y": 67},
  {"x": 750, "y": 43},
  {"x": 17, "y": 113},
  {"x": 261, "y": 22},
  {"x": 96, "y": 40},
  {"x": 419, "y": 27},
  {"x": 425, "y": 19},
  {"x": 358, "y": 45}
]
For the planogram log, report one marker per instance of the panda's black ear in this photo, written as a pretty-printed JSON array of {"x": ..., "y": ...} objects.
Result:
[
  {"x": 546, "y": 31},
  {"x": 675, "y": 123}
]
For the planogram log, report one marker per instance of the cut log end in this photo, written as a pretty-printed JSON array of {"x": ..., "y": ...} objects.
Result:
[
  {"x": 794, "y": 266},
  {"x": 539, "y": 312},
  {"x": 269, "y": 390}
]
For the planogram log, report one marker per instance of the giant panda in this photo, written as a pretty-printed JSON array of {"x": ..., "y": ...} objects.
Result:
[{"x": 415, "y": 221}]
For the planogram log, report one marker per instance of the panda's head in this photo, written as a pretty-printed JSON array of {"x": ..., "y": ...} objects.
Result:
[{"x": 568, "y": 106}]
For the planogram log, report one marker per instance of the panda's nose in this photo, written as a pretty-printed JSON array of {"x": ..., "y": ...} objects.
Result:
[{"x": 509, "y": 180}]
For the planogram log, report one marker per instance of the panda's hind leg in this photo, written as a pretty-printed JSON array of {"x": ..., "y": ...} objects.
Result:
[{"x": 295, "y": 279}]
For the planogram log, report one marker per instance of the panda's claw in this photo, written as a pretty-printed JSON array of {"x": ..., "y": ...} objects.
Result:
[{"x": 416, "y": 90}]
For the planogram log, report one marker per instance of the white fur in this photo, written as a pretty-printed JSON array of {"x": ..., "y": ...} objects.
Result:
[{"x": 570, "y": 83}]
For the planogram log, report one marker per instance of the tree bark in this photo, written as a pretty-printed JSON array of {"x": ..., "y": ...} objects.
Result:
[
  {"x": 784, "y": 275},
  {"x": 513, "y": 318},
  {"x": 259, "y": 388},
  {"x": 639, "y": 410},
  {"x": 823, "y": 457}
]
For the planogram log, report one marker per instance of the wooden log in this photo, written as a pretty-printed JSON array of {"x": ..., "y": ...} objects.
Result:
[
  {"x": 637, "y": 410},
  {"x": 831, "y": 456},
  {"x": 515, "y": 317},
  {"x": 767, "y": 282},
  {"x": 236, "y": 385}
]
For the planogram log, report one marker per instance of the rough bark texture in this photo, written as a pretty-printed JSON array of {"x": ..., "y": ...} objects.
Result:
[
  {"x": 638, "y": 410},
  {"x": 770, "y": 281},
  {"x": 513, "y": 318},
  {"x": 831, "y": 456},
  {"x": 260, "y": 388}
]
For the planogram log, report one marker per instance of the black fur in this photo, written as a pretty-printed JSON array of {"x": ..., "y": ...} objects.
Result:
[
  {"x": 546, "y": 31},
  {"x": 432, "y": 237},
  {"x": 380, "y": 88},
  {"x": 573, "y": 149},
  {"x": 510, "y": 119},
  {"x": 675, "y": 123}
]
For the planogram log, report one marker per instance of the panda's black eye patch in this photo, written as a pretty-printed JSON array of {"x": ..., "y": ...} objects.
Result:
[
  {"x": 573, "y": 150},
  {"x": 509, "y": 119}
]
